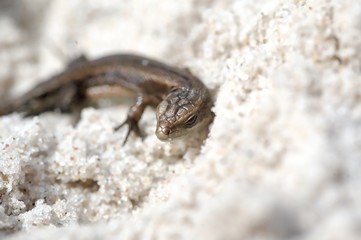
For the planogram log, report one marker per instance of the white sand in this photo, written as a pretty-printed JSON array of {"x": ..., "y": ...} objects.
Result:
[{"x": 283, "y": 156}]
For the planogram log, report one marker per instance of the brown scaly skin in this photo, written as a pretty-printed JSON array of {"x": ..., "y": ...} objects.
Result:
[{"x": 183, "y": 102}]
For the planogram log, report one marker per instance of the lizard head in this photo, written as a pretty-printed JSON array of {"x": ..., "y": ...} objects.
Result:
[{"x": 183, "y": 111}]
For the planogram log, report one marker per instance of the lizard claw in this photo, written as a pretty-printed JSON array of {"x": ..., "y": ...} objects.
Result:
[
  {"x": 134, "y": 114},
  {"x": 132, "y": 127}
]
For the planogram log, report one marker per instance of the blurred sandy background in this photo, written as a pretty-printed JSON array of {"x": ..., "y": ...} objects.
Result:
[{"x": 283, "y": 156}]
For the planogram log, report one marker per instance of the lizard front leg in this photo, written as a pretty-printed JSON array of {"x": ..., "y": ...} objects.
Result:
[{"x": 135, "y": 113}]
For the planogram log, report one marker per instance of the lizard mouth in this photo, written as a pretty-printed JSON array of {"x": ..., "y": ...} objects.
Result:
[{"x": 166, "y": 133}]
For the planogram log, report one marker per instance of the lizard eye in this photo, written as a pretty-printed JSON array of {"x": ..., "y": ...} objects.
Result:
[{"x": 191, "y": 120}]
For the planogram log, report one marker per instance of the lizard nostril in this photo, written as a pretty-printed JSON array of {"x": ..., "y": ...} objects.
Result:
[
  {"x": 163, "y": 133},
  {"x": 166, "y": 131}
]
